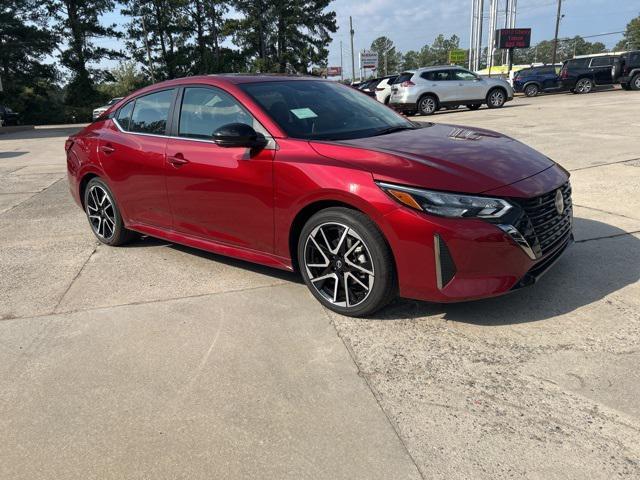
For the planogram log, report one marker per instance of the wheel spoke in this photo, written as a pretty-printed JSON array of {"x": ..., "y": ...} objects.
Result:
[
  {"x": 341, "y": 241},
  {"x": 326, "y": 259},
  {"x": 346, "y": 289}
]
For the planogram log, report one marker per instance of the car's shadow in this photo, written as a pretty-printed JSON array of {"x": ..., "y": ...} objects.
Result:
[
  {"x": 589, "y": 271},
  {"x": 43, "y": 132}
]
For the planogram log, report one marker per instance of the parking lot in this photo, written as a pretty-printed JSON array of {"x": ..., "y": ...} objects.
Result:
[{"x": 159, "y": 361}]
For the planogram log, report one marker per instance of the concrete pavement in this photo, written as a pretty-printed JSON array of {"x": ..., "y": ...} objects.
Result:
[{"x": 159, "y": 361}]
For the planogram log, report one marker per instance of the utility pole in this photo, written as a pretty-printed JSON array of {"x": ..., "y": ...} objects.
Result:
[
  {"x": 341, "y": 67},
  {"x": 353, "y": 61},
  {"x": 555, "y": 38}
]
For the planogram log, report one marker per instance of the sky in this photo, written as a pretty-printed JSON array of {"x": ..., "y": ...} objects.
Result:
[{"x": 410, "y": 24}]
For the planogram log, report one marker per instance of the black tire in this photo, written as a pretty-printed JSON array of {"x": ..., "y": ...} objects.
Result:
[
  {"x": 428, "y": 105},
  {"x": 496, "y": 98},
  {"x": 474, "y": 106},
  {"x": 386, "y": 99},
  {"x": 635, "y": 82},
  {"x": 104, "y": 216},
  {"x": 531, "y": 90},
  {"x": 583, "y": 86},
  {"x": 363, "y": 250}
]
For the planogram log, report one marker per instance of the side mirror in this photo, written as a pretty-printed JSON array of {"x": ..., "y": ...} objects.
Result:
[{"x": 239, "y": 135}]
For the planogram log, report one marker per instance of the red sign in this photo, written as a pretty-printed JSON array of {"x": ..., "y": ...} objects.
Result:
[
  {"x": 513, "y": 38},
  {"x": 334, "y": 71}
]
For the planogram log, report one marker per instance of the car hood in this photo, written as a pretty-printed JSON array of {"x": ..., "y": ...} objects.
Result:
[{"x": 442, "y": 157}]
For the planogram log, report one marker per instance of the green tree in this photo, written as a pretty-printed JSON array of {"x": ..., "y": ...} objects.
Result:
[
  {"x": 411, "y": 60},
  {"x": 284, "y": 35},
  {"x": 79, "y": 23},
  {"x": 631, "y": 37},
  {"x": 25, "y": 42},
  {"x": 123, "y": 79},
  {"x": 389, "y": 58}
]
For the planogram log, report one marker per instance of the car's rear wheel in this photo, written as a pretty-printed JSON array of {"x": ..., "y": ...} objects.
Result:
[
  {"x": 427, "y": 105},
  {"x": 103, "y": 214},
  {"x": 473, "y": 106},
  {"x": 496, "y": 98},
  {"x": 584, "y": 85},
  {"x": 635, "y": 82},
  {"x": 531, "y": 90},
  {"x": 346, "y": 262}
]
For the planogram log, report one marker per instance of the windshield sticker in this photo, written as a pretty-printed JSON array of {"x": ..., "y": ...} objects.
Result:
[{"x": 303, "y": 113}]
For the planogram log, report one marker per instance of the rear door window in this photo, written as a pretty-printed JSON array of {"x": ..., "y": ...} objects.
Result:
[
  {"x": 601, "y": 62},
  {"x": 437, "y": 75},
  {"x": 151, "y": 113}
]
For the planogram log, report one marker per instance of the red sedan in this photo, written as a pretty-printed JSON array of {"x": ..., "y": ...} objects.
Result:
[{"x": 307, "y": 174}]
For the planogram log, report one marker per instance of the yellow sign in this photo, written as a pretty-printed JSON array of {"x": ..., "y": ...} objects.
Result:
[{"x": 457, "y": 56}]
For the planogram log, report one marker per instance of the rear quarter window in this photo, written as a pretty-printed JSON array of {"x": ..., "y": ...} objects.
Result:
[{"x": 403, "y": 77}]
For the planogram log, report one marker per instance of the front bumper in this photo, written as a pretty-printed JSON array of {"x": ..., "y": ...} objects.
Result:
[{"x": 451, "y": 260}]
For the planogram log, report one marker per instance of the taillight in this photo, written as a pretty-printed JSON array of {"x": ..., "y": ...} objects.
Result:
[
  {"x": 564, "y": 74},
  {"x": 378, "y": 89},
  {"x": 407, "y": 83}
]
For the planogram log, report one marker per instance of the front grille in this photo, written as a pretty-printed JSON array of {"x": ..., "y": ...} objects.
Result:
[{"x": 542, "y": 226}]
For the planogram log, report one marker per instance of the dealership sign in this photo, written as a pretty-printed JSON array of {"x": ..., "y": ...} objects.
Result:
[
  {"x": 513, "y": 38},
  {"x": 368, "y": 59},
  {"x": 457, "y": 56}
]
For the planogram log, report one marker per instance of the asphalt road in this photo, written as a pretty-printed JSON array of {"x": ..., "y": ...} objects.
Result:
[{"x": 160, "y": 361}]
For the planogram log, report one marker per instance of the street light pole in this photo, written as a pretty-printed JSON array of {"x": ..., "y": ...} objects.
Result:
[
  {"x": 353, "y": 61},
  {"x": 555, "y": 38}
]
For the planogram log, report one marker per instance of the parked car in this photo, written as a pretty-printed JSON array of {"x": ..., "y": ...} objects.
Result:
[
  {"x": 583, "y": 74},
  {"x": 383, "y": 89},
  {"x": 8, "y": 116},
  {"x": 306, "y": 174},
  {"x": 100, "y": 110},
  {"x": 369, "y": 86},
  {"x": 426, "y": 90},
  {"x": 626, "y": 71},
  {"x": 531, "y": 81}
]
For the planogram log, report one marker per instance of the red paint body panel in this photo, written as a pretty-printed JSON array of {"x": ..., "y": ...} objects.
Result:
[{"x": 242, "y": 204}]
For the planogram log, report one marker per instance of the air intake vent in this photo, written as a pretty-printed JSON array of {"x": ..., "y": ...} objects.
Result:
[{"x": 445, "y": 267}]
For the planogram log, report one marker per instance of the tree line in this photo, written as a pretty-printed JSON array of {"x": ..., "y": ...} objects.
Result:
[{"x": 163, "y": 39}]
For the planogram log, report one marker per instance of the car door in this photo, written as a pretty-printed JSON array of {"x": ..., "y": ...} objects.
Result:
[
  {"x": 439, "y": 82},
  {"x": 469, "y": 85},
  {"x": 601, "y": 68},
  {"x": 132, "y": 154},
  {"x": 217, "y": 193},
  {"x": 549, "y": 78}
]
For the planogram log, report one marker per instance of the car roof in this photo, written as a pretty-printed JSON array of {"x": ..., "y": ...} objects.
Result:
[{"x": 438, "y": 67}]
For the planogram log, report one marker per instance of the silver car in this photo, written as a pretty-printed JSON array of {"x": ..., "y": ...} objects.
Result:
[
  {"x": 429, "y": 89},
  {"x": 100, "y": 110}
]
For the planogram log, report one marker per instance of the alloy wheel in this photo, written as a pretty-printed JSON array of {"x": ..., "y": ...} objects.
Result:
[
  {"x": 339, "y": 264},
  {"x": 496, "y": 98},
  {"x": 531, "y": 91},
  {"x": 583, "y": 86},
  {"x": 636, "y": 82},
  {"x": 427, "y": 105},
  {"x": 101, "y": 212}
]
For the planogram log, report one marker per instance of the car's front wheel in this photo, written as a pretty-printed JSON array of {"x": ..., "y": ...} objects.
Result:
[
  {"x": 103, "y": 214},
  {"x": 428, "y": 105},
  {"x": 635, "y": 82},
  {"x": 346, "y": 262},
  {"x": 496, "y": 98}
]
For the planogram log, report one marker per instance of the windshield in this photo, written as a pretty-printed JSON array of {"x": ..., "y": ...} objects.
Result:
[{"x": 322, "y": 110}]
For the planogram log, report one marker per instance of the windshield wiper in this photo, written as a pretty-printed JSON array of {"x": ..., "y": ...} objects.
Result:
[{"x": 396, "y": 128}]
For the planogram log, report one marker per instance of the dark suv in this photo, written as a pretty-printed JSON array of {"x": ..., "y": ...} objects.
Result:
[
  {"x": 8, "y": 116},
  {"x": 626, "y": 70},
  {"x": 581, "y": 75},
  {"x": 534, "y": 80}
]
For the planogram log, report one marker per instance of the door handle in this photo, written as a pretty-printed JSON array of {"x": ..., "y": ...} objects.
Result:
[
  {"x": 107, "y": 149},
  {"x": 177, "y": 160}
]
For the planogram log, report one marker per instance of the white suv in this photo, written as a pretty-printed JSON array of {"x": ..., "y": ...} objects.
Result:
[
  {"x": 426, "y": 90},
  {"x": 383, "y": 89}
]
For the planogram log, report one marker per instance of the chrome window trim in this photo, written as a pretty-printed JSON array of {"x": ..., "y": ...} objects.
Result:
[{"x": 272, "y": 145}]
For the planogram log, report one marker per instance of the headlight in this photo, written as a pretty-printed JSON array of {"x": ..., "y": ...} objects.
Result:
[{"x": 454, "y": 205}]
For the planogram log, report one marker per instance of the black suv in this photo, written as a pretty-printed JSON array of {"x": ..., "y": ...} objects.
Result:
[
  {"x": 534, "y": 80},
  {"x": 581, "y": 75},
  {"x": 626, "y": 70},
  {"x": 8, "y": 116}
]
